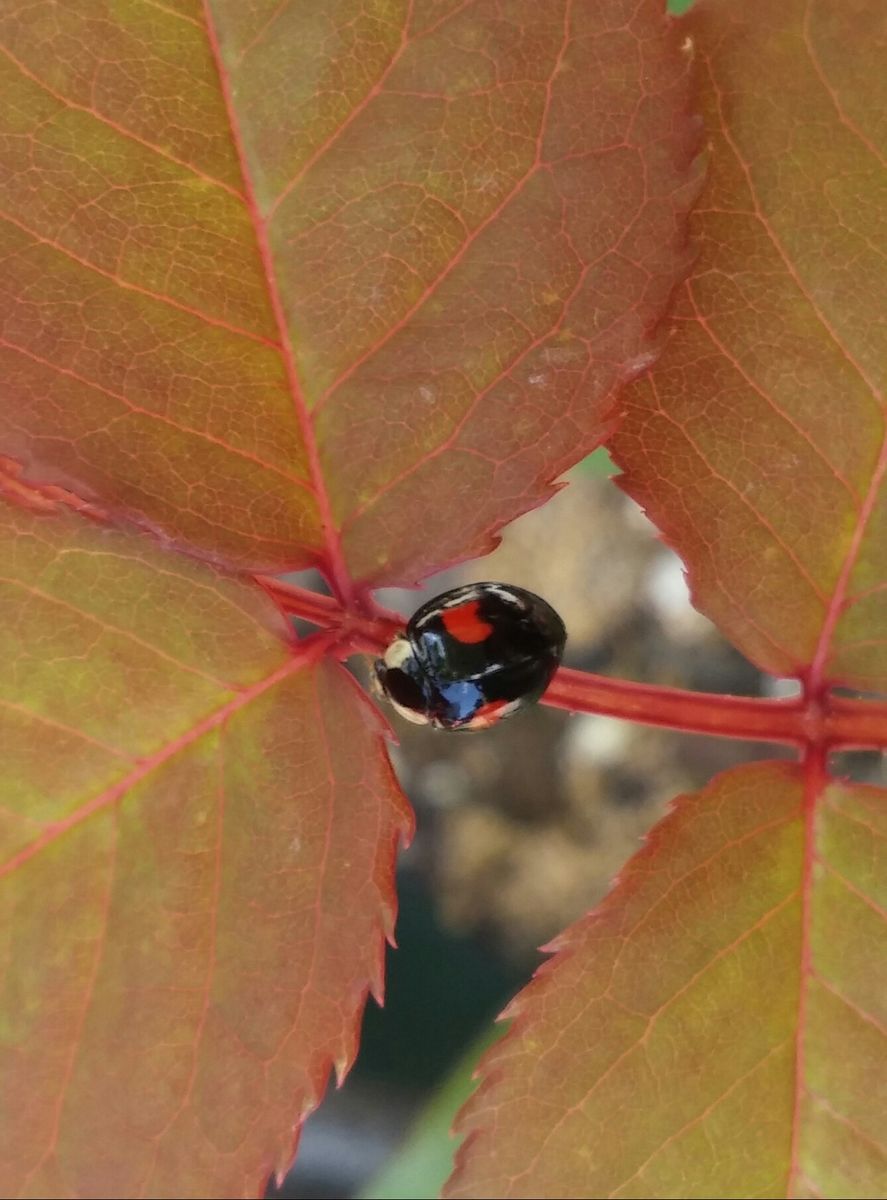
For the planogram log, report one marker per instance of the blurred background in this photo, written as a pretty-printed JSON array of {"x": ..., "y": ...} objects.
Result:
[{"x": 520, "y": 830}]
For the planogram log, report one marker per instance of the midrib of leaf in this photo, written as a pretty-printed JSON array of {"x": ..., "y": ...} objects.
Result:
[
  {"x": 815, "y": 679},
  {"x": 337, "y": 571},
  {"x": 814, "y": 784},
  {"x": 528, "y": 1010}
]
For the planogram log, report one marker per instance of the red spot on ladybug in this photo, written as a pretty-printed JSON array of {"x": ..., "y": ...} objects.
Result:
[{"x": 464, "y": 623}]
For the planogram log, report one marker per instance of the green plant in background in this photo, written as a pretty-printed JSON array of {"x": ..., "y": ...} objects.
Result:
[{"x": 422, "y": 1164}]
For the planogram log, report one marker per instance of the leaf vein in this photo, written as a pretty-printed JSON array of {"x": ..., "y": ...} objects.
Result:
[
  {"x": 652, "y": 1020},
  {"x": 89, "y": 992},
  {"x": 352, "y": 116},
  {"x": 842, "y": 116},
  {"x": 769, "y": 400},
  {"x": 129, "y": 286},
  {"x": 203, "y": 434},
  {"x": 782, "y": 253},
  {"x": 62, "y": 726},
  {"x": 532, "y": 170},
  {"x": 854, "y": 890},
  {"x": 336, "y": 568},
  {"x": 763, "y": 521},
  {"x": 844, "y": 1120},
  {"x": 121, "y": 130},
  {"x": 701, "y": 1116},
  {"x": 303, "y": 657},
  {"x": 862, "y": 1013}
]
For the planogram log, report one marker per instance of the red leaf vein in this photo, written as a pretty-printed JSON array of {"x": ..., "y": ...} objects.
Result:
[
  {"x": 161, "y": 297},
  {"x": 846, "y": 121},
  {"x": 477, "y": 399},
  {"x": 866, "y": 1138},
  {"x": 536, "y": 165},
  {"x": 769, "y": 400},
  {"x": 780, "y": 249},
  {"x": 42, "y": 719},
  {"x": 787, "y": 550},
  {"x": 862, "y": 1013},
  {"x": 814, "y": 785},
  {"x": 119, "y": 129},
  {"x": 172, "y": 12},
  {"x": 854, "y": 890},
  {"x": 77, "y": 1039},
  {"x": 306, "y": 654},
  {"x": 654, "y": 1017},
  {"x": 355, "y": 112},
  {"x": 120, "y": 631},
  {"x": 701, "y": 1116},
  {"x": 336, "y": 570},
  {"x": 815, "y": 677}
]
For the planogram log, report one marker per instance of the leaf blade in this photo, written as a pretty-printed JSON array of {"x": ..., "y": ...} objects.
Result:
[
  {"x": 192, "y": 925},
  {"x": 762, "y": 439},
  {"x": 273, "y": 213},
  {"x": 679, "y": 1017},
  {"x": 136, "y": 321}
]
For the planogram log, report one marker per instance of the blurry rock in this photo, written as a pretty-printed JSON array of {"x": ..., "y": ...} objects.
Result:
[{"x": 524, "y": 827}]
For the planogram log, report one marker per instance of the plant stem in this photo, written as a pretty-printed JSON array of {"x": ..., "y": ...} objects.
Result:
[
  {"x": 358, "y": 633},
  {"x": 831, "y": 722},
  {"x": 695, "y": 712}
]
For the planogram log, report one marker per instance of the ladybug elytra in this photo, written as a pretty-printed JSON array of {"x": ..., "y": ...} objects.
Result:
[{"x": 471, "y": 656}]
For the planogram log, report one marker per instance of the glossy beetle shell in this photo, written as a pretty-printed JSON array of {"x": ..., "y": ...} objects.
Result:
[{"x": 471, "y": 656}]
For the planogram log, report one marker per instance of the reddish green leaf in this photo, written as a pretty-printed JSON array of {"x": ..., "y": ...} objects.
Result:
[
  {"x": 683, "y": 1040},
  {"x": 198, "y": 828},
  {"x": 139, "y": 353},
  {"x": 759, "y": 448},
  {"x": 446, "y": 229}
]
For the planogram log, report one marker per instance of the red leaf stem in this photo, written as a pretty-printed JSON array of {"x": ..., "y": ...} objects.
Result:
[
  {"x": 367, "y": 633},
  {"x": 830, "y": 722},
  {"x": 744, "y": 717}
]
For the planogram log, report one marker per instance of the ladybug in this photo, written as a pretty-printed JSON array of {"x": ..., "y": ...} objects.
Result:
[{"x": 472, "y": 656}]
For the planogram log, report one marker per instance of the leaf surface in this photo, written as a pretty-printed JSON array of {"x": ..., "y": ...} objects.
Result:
[
  {"x": 139, "y": 353},
  {"x": 698, "y": 1012},
  {"x": 279, "y": 277},
  {"x": 196, "y": 876},
  {"x": 759, "y": 448}
]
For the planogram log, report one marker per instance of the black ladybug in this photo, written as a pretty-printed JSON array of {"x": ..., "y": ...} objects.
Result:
[{"x": 472, "y": 656}]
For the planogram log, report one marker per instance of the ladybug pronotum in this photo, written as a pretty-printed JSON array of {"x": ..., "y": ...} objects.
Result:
[{"x": 472, "y": 656}]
